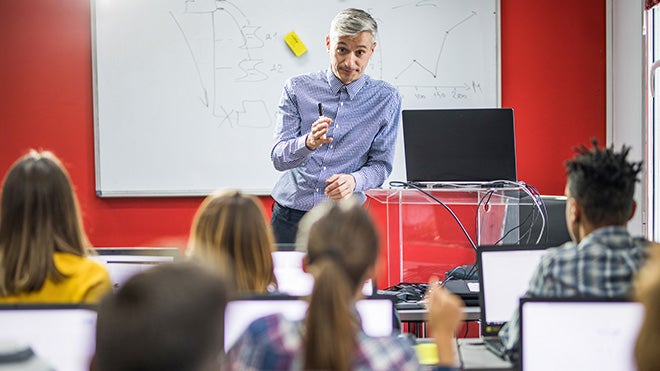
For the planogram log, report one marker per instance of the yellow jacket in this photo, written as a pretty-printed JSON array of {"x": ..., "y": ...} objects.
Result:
[{"x": 86, "y": 282}]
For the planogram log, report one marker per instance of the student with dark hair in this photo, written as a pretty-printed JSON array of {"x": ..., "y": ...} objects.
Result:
[
  {"x": 43, "y": 246},
  {"x": 602, "y": 258},
  {"x": 168, "y": 318},
  {"x": 342, "y": 247},
  {"x": 232, "y": 225}
]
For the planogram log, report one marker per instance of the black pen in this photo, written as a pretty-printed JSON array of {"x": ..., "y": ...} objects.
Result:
[{"x": 320, "y": 109}]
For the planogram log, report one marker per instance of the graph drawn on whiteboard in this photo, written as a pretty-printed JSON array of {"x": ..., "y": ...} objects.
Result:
[
  {"x": 421, "y": 78},
  {"x": 195, "y": 84}
]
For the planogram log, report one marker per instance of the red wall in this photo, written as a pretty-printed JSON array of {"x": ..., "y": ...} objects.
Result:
[{"x": 553, "y": 75}]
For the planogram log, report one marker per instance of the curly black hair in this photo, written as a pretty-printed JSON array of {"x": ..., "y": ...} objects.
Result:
[{"x": 603, "y": 181}]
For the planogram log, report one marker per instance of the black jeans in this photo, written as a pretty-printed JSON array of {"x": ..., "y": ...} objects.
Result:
[{"x": 284, "y": 223}]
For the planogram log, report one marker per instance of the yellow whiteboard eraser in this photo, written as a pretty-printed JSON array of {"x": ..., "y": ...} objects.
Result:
[{"x": 295, "y": 44}]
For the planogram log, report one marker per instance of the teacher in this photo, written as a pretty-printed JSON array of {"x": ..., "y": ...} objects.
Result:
[{"x": 336, "y": 128}]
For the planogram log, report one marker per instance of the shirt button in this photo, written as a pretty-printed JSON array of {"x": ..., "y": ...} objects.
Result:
[
  {"x": 331, "y": 146},
  {"x": 341, "y": 104},
  {"x": 324, "y": 168},
  {"x": 317, "y": 189}
]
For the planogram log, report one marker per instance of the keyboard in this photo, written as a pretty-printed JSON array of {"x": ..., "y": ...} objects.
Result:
[{"x": 495, "y": 346}]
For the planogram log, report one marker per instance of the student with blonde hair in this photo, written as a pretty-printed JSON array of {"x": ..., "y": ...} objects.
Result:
[
  {"x": 43, "y": 246},
  {"x": 231, "y": 225},
  {"x": 342, "y": 248},
  {"x": 647, "y": 291}
]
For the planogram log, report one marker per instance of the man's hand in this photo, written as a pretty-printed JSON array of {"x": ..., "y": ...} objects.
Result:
[
  {"x": 318, "y": 135},
  {"x": 339, "y": 186}
]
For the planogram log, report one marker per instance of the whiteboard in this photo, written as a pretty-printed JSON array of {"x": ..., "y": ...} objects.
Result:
[{"x": 186, "y": 91}]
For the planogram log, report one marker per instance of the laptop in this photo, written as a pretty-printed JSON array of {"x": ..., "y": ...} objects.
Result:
[
  {"x": 62, "y": 335},
  {"x": 459, "y": 146},
  {"x": 124, "y": 262},
  {"x": 578, "y": 334},
  {"x": 293, "y": 280},
  {"x": 377, "y": 315},
  {"x": 504, "y": 275}
]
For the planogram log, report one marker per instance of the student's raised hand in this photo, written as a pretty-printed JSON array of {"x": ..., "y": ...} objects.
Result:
[
  {"x": 318, "y": 134},
  {"x": 445, "y": 314}
]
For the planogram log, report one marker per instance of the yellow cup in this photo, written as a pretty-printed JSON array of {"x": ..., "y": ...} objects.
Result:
[{"x": 427, "y": 353}]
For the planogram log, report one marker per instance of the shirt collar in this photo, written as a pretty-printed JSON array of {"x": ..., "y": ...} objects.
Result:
[
  {"x": 352, "y": 88},
  {"x": 604, "y": 235}
]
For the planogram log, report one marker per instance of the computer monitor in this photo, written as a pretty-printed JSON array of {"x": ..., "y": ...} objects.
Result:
[
  {"x": 578, "y": 334},
  {"x": 377, "y": 314},
  {"x": 63, "y": 335},
  {"x": 459, "y": 145},
  {"x": 124, "y": 262},
  {"x": 293, "y": 280},
  {"x": 504, "y": 275},
  {"x": 549, "y": 229}
]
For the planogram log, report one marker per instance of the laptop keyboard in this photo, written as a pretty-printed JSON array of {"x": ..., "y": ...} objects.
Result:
[{"x": 495, "y": 346}]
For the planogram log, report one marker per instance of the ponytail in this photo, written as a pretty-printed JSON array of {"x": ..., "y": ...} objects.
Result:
[
  {"x": 342, "y": 245},
  {"x": 331, "y": 325}
]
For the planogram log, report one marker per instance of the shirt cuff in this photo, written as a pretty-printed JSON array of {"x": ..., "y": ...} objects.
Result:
[
  {"x": 301, "y": 146},
  {"x": 359, "y": 182}
]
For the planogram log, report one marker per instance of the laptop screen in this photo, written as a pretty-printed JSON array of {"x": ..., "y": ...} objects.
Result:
[
  {"x": 576, "y": 335},
  {"x": 123, "y": 263},
  {"x": 459, "y": 145},
  {"x": 377, "y": 314},
  {"x": 62, "y": 335},
  {"x": 504, "y": 275},
  {"x": 293, "y": 280}
]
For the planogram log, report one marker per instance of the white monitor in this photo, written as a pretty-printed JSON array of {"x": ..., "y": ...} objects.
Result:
[
  {"x": 62, "y": 335},
  {"x": 504, "y": 276},
  {"x": 377, "y": 314},
  {"x": 123, "y": 263},
  {"x": 579, "y": 335},
  {"x": 293, "y": 280}
]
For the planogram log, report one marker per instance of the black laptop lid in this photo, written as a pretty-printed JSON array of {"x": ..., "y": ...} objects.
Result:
[
  {"x": 504, "y": 275},
  {"x": 459, "y": 145},
  {"x": 578, "y": 334}
]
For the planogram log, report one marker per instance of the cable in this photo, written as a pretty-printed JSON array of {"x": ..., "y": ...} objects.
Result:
[
  {"x": 529, "y": 190},
  {"x": 535, "y": 197},
  {"x": 412, "y": 185}
]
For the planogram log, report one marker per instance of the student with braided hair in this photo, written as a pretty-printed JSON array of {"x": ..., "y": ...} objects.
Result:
[
  {"x": 603, "y": 258},
  {"x": 342, "y": 248}
]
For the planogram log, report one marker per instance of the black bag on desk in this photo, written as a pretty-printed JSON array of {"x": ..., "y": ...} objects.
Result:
[{"x": 461, "y": 288}]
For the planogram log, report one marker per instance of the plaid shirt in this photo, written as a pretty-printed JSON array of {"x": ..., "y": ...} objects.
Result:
[
  {"x": 275, "y": 343},
  {"x": 603, "y": 264}
]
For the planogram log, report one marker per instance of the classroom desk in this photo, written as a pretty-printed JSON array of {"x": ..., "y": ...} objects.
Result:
[
  {"x": 474, "y": 356},
  {"x": 418, "y": 315},
  {"x": 415, "y": 319}
]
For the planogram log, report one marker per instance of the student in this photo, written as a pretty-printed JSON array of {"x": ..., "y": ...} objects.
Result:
[
  {"x": 168, "y": 318},
  {"x": 232, "y": 225},
  {"x": 342, "y": 245},
  {"x": 647, "y": 291},
  {"x": 43, "y": 246},
  {"x": 602, "y": 258},
  {"x": 336, "y": 128}
]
